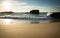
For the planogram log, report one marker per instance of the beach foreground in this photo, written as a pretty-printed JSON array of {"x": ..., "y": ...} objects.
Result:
[{"x": 15, "y": 29}]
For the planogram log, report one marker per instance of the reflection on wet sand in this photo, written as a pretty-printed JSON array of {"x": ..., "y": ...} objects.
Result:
[
  {"x": 34, "y": 22},
  {"x": 10, "y": 28}
]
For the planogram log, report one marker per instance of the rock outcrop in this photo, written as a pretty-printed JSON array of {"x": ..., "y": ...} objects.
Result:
[
  {"x": 34, "y": 12},
  {"x": 55, "y": 15},
  {"x": 10, "y": 12}
]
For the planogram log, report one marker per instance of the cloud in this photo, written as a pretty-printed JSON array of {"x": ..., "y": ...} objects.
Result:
[
  {"x": 16, "y": 3},
  {"x": 25, "y": 7}
]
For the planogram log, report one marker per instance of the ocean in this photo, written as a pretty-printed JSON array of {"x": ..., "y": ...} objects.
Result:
[{"x": 28, "y": 18}]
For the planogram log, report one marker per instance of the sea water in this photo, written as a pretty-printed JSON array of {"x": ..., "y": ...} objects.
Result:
[{"x": 29, "y": 18}]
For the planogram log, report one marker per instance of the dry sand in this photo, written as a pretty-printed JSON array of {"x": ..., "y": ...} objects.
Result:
[{"x": 17, "y": 30}]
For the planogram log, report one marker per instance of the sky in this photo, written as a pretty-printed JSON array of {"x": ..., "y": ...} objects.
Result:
[{"x": 27, "y": 5}]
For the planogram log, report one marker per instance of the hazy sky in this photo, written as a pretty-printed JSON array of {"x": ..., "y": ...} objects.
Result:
[{"x": 27, "y": 5}]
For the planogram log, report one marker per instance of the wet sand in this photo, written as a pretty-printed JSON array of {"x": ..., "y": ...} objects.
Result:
[{"x": 14, "y": 29}]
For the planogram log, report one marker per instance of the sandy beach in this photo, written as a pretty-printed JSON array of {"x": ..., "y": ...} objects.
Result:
[
  {"x": 16, "y": 30},
  {"x": 29, "y": 18}
]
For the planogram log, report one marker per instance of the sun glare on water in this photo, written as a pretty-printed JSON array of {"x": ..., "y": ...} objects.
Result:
[
  {"x": 6, "y": 6},
  {"x": 6, "y": 21}
]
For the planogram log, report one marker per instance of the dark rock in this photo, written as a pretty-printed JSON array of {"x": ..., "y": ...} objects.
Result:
[
  {"x": 10, "y": 12},
  {"x": 34, "y": 12},
  {"x": 55, "y": 15}
]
